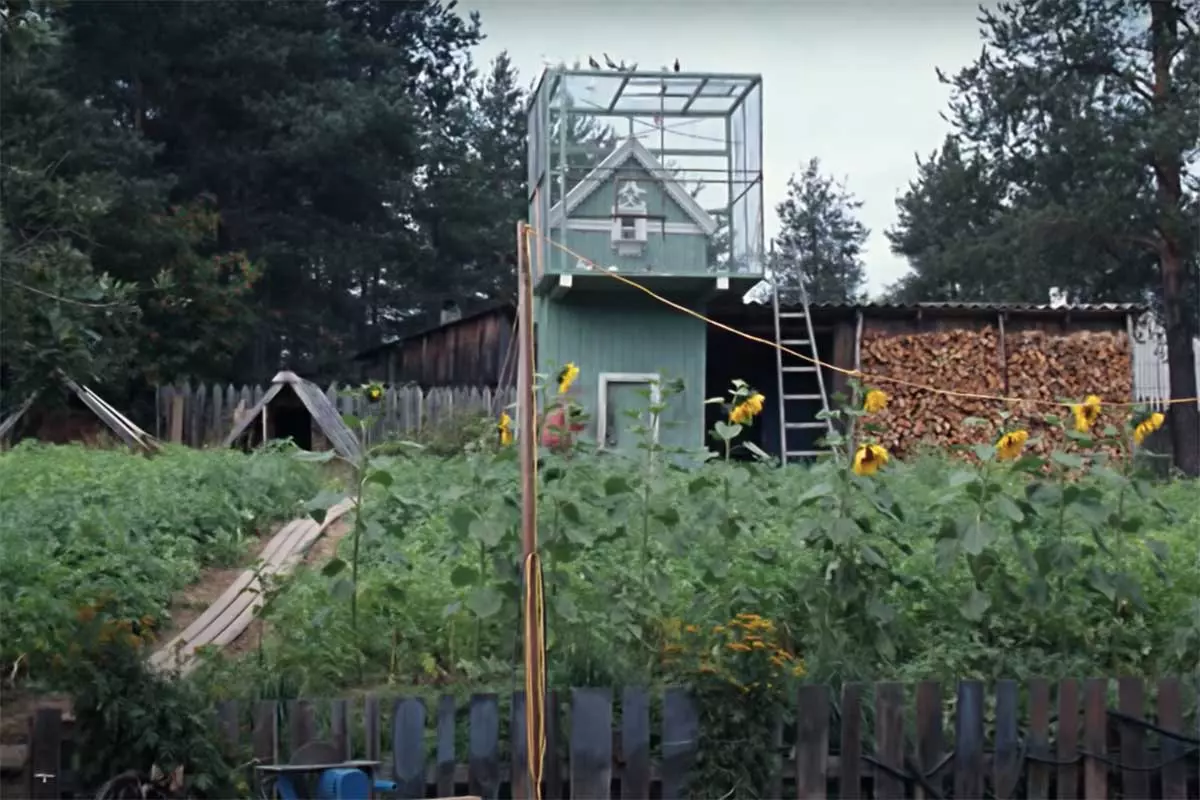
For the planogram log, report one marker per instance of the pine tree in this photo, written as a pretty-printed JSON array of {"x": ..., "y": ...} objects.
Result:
[
  {"x": 1081, "y": 123},
  {"x": 820, "y": 241}
]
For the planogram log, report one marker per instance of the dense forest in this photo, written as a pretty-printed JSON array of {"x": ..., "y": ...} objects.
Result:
[{"x": 209, "y": 190}]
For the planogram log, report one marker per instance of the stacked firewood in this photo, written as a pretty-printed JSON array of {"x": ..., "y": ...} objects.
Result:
[{"x": 1029, "y": 364}]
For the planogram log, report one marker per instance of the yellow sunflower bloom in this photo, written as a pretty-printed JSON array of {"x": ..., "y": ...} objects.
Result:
[
  {"x": 869, "y": 458},
  {"x": 1086, "y": 413},
  {"x": 1148, "y": 426},
  {"x": 875, "y": 401},
  {"x": 1011, "y": 444},
  {"x": 567, "y": 377},
  {"x": 505, "y": 429},
  {"x": 747, "y": 409}
]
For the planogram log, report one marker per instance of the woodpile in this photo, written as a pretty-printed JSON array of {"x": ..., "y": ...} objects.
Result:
[{"x": 1031, "y": 364}]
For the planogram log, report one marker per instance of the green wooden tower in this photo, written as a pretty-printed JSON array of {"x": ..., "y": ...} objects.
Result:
[{"x": 656, "y": 177}]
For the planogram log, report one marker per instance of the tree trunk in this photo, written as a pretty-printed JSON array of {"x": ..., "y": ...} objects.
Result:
[{"x": 1183, "y": 418}]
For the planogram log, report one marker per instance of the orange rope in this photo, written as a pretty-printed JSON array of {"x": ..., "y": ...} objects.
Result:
[{"x": 863, "y": 376}]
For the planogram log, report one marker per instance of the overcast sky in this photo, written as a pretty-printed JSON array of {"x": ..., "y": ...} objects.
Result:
[{"x": 849, "y": 81}]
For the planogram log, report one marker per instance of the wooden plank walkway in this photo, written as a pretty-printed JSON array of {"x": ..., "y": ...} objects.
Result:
[{"x": 229, "y": 616}]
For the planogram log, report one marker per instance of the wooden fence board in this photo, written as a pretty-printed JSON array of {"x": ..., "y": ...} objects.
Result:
[
  {"x": 1007, "y": 761},
  {"x": 1068, "y": 739},
  {"x": 371, "y": 727},
  {"x": 553, "y": 766},
  {"x": 812, "y": 741},
  {"x": 889, "y": 739},
  {"x": 483, "y": 746},
  {"x": 1170, "y": 718},
  {"x": 302, "y": 727},
  {"x": 408, "y": 747},
  {"x": 680, "y": 734},
  {"x": 1120, "y": 758},
  {"x": 519, "y": 748},
  {"x": 968, "y": 740},
  {"x": 591, "y": 743},
  {"x": 446, "y": 757},
  {"x": 929, "y": 735},
  {"x": 1037, "y": 785},
  {"x": 849, "y": 777},
  {"x": 1131, "y": 700},
  {"x": 635, "y": 743},
  {"x": 202, "y": 415},
  {"x": 1095, "y": 736}
]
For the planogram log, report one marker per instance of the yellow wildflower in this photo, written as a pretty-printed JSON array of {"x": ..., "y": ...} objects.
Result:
[
  {"x": 798, "y": 670},
  {"x": 875, "y": 401},
  {"x": 739, "y": 647},
  {"x": 374, "y": 393},
  {"x": 505, "y": 429},
  {"x": 567, "y": 377},
  {"x": 691, "y": 629},
  {"x": 757, "y": 644},
  {"x": 869, "y": 458},
  {"x": 1086, "y": 413},
  {"x": 707, "y": 669},
  {"x": 1148, "y": 426},
  {"x": 1011, "y": 444}
]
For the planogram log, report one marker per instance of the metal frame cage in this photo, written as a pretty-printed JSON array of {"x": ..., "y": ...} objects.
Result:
[{"x": 705, "y": 129}]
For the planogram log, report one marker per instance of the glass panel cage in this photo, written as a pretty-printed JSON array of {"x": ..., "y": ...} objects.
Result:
[{"x": 704, "y": 129}]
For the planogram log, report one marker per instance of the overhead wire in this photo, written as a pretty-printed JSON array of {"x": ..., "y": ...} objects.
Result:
[{"x": 876, "y": 378}]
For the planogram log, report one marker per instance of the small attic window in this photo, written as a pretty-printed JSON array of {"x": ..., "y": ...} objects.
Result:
[{"x": 629, "y": 232}]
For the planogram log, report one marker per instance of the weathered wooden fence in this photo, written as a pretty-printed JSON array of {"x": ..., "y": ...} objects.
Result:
[
  {"x": 1033, "y": 740},
  {"x": 208, "y": 410}
]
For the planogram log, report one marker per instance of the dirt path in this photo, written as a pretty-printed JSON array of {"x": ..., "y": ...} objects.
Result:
[{"x": 196, "y": 598}]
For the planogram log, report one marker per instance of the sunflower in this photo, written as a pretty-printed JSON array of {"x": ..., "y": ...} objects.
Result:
[
  {"x": 869, "y": 458},
  {"x": 1148, "y": 426},
  {"x": 747, "y": 409},
  {"x": 875, "y": 401},
  {"x": 505, "y": 429},
  {"x": 1011, "y": 444},
  {"x": 1086, "y": 413},
  {"x": 567, "y": 376}
]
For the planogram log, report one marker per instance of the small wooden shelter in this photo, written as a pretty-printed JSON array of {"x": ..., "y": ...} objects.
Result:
[
  {"x": 295, "y": 408},
  {"x": 114, "y": 420}
]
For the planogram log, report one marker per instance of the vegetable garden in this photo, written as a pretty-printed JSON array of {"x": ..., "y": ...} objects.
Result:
[
  {"x": 81, "y": 527},
  {"x": 736, "y": 578},
  {"x": 741, "y": 580}
]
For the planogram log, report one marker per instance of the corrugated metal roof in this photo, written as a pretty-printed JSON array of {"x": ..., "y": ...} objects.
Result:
[{"x": 1110, "y": 308}]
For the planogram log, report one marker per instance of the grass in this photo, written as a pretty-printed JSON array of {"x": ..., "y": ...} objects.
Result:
[{"x": 79, "y": 526}]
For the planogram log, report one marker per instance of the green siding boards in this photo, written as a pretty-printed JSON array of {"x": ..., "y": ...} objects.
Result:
[
  {"x": 665, "y": 253},
  {"x": 670, "y": 254},
  {"x": 599, "y": 204},
  {"x": 613, "y": 333}
]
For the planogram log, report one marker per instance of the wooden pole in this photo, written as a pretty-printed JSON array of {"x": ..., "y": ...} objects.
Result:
[{"x": 527, "y": 442}]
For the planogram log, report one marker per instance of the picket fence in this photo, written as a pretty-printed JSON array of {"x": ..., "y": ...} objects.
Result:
[
  {"x": 1032, "y": 740},
  {"x": 208, "y": 410}
]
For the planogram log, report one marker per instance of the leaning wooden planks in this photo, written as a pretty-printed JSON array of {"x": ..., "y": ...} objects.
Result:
[{"x": 229, "y": 616}]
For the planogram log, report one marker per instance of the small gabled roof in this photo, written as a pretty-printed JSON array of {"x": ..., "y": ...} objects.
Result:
[
  {"x": 117, "y": 422},
  {"x": 631, "y": 148},
  {"x": 315, "y": 402}
]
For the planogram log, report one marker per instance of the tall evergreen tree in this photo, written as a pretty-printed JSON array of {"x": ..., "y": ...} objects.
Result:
[
  {"x": 1081, "y": 125},
  {"x": 820, "y": 241},
  {"x": 499, "y": 133}
]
